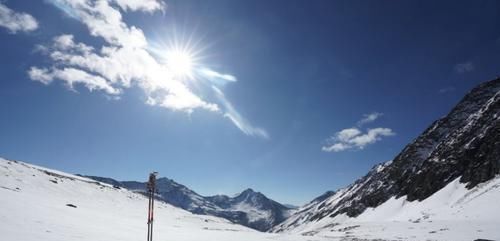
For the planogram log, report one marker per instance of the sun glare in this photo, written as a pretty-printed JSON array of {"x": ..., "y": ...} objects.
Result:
[{"x": 180, "y": 63}]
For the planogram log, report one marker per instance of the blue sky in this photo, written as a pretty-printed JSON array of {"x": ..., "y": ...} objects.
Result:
[{"x": 291, "y": 98}]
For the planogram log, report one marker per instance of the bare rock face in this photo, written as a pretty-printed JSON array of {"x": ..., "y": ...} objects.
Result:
[{"x": 465, "y": 144}]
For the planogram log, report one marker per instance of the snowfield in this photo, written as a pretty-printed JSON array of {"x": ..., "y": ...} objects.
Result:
[
  {"x": 34, "y": 207},
  {"x": 39, "y": 204},
  {"x": 453, "y": 213}
]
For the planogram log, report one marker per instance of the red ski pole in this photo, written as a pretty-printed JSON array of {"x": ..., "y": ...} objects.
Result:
[{"x": 151, "y": 186}]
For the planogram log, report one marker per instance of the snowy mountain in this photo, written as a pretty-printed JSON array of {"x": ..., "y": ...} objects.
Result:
[
  {"x": 40, "y": 204},
  {"x": 445, "y": 185},
  {"x": 261, "y": 212},
  {"x": 450, "y": 172},
  {"x": 249, "y": 208}
]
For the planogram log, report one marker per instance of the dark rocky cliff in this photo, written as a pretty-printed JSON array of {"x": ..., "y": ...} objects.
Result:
[{"x": 464, "y": 144}]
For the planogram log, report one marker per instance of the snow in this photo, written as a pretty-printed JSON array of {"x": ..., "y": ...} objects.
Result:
[
  {"x": 453, "y": 213},
  {"x": 253, "y": 213},
  {"x": 453, "y": 202},
  {"x": 34, "y": 201},
  {"x": 34, "y": 208},
  {"x": 382, "y": 166},
  {"x": 440, "y": 154}
]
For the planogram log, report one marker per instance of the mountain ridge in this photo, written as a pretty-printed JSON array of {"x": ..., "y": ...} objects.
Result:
[
  {"x": 464, "y": 144},
  {"x": 249, "y": 208}
]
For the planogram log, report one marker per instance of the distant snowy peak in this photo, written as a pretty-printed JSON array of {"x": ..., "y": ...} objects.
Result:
[
  {"x": 262, "y": 212},
  {"x": 464, "y": 145},
  {"x": 251, "y": 197},
  {"x": 40, "y": 204},
  {"x": 250, "y": 208}
]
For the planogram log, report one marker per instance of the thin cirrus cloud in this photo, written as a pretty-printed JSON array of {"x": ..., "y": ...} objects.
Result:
[
  {"x": 235, "y": 117},
  {"x": 355, "y": 138},
  {"x": 16, "y": 21},
  {"x": 124, "y": 61},
  {"x": 465, "y": 67},
  {"x": 447, "y": 89},
  {"x": 216, "y": 77},
  {"x": 367, "y": 118}
]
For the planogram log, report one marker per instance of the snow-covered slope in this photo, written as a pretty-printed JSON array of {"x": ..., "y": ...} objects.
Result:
[
  {"x": 39, "y": 204},
  {"x": 453, "y": 213},
  {"x": 249, "y": 208},
  {"x": 462, "y": 147},
  {"x": 260, "y": 212}
]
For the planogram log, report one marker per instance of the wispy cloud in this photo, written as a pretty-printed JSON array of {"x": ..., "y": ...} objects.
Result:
[
  {"x": 216, "y": 77},
  {"x": 235, "y": 117},
  {"x": 142, "y": 5},
  {"x": 354, "y": 138},
  {"x": 73, "y": 76},
  {"x": 367, "y": 118},
  {"x": 445, "y": 90},
  {"x": 124, "y": 61},
  {"x": 465, "y": 67},
  {"x": 16, "y": 21}
]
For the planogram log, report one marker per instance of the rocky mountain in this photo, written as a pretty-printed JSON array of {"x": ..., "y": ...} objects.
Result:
[
  {"x": 464, "y": 146},
  {"x": 60, "y": 206},
  {"x": 250, "y": 208},
  {"x": 42, "y": 204}
]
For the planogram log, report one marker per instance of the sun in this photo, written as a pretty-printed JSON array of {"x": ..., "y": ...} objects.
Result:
[{"x": 180, "y": 62}]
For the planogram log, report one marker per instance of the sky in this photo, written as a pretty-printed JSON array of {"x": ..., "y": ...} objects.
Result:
[{"x": 290, "y": 98}]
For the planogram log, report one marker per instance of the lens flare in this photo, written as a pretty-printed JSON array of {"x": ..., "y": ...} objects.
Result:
[{"x": 180, "y": 63}]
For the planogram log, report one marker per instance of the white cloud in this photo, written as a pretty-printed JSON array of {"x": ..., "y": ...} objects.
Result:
[
  {"x": 216, "y": 77},
  {"x": 73, "y": 76},
  {"x": 372, "y": 136},
  {"x": 141, "y": 5},
  {"x": 367, "y": 118},
  {"x": 237, "y": 119},
  {"x": 336, "y": 147},
  {"x": 120, "y": 63},
  {"x": 347, "y": 134},
  {"x": 465, "y": 67},
  {"x": 354, "y": 138},
  {"x": 66, "y": 42},
  {"x": 41, "y": 75},
  {"x": 104, "y": 20},
  {"x": 16, "y": 21},
  {"x": 124, "y": 61}
]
